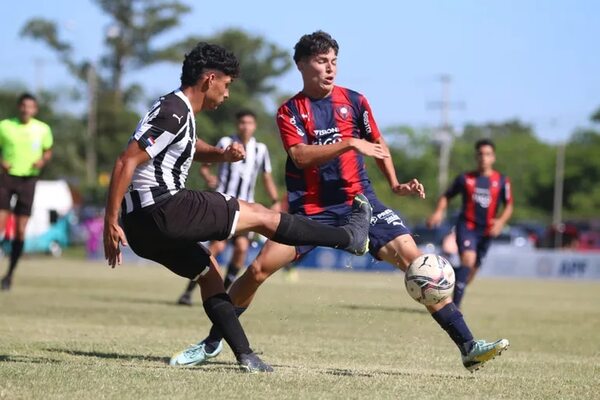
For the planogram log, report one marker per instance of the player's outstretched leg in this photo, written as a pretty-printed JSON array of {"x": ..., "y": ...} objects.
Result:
[
  {"x": 296, "y": 230},
  {"x": 474, "y": 353}
]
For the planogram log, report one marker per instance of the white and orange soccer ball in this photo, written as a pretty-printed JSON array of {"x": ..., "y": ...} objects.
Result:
[{"x": 429, "y": 279}]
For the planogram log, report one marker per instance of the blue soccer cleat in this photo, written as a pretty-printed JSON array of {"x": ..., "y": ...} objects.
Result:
[
  {"x": 482, "y": 351},
  {"x": 194, "y": 355}
]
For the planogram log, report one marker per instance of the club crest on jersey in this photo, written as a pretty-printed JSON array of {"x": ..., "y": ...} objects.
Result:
[{"x": 343, "y": 112}]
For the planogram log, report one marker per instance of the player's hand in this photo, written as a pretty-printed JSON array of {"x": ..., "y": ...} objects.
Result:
[
  {"x": 39, "y": 164},
  {"x": 369, "y": 149},
  {"x": 5, "y": 166},
  {"x": 212, "y": 181},
  {"x": 113, "y": 236},
  {"x": 234, "y": 152},
  {"x": 496, "y": 228},
  {"x": 435, "y": 219},
  {"x": 414, "y": 187},
  {"x": 276, "y": 206}
]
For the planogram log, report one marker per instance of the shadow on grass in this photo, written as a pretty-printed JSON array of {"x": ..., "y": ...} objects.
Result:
[
  {"x": 113, "y": 356},
  {"x": 134, "y": 300},
  {"x": 370, "y": 374},
  {"x": 27, "y": 359},
  {"x": 367, "y": 307}
]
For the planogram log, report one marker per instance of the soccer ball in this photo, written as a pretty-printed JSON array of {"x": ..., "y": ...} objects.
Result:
[{"x": 429, "y": 279}]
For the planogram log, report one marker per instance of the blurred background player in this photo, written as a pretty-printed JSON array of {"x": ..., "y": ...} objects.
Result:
[
  {"x": 482, "y": 190},
  {"x": 238, "y": 179},
  {"x": 327, "y": 130},
  {"x": 25, "y": 147}
]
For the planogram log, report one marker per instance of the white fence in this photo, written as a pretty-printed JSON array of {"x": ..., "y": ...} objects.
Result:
[{"x": 546, "y": 264}]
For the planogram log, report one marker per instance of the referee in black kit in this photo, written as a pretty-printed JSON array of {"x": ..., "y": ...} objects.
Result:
[{"x": 164, "y": 221}]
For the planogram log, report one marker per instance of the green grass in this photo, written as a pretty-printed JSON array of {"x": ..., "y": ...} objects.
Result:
[{"x": 75, "y": 329}]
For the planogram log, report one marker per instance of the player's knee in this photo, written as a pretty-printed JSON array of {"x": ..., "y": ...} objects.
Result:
[{"x": 258, "y": 273}]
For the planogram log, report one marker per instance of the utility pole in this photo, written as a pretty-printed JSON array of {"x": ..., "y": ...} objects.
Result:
[
  {"x": 559, "y": 176},
  {"x": 444, "y": 136},
  {"x": 91, "y": 158},
  {"x": 38, "y": 64}
]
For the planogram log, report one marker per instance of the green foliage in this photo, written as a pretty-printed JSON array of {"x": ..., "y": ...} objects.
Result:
[
  {"x": 582, "y": 174},
  {"x": 131, "y": 42}
]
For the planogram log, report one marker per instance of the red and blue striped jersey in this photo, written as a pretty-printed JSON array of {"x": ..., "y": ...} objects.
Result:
[
  {"x": 330, "y": 186},
  {"x": 481, "y": 198}
]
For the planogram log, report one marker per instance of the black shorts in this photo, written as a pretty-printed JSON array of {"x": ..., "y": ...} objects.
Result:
[
  {"x": 169, "y": 232},
  {"x": 23, "y": 187}
]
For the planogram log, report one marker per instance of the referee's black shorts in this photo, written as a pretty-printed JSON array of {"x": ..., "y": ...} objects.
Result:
[
  {"x": 169, "y": 232},
  {"x": 23, "y": 187}
]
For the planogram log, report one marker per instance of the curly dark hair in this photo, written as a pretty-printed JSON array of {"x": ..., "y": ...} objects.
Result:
[
  {"x": 318, "y": 42},
  {"x": 208, "y": 56},
  {"x": 484, "y": 142}
]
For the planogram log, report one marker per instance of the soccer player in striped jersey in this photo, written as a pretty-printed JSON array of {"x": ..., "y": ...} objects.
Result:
[
  {"x": 238, "y": 179},
  {"x": 165, "y": 222},
  {"x": 483, "y": 191},
  {"x": 327, "y": 130}
]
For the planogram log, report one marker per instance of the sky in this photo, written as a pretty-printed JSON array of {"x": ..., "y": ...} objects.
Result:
[{"x": 537, "y": 61}]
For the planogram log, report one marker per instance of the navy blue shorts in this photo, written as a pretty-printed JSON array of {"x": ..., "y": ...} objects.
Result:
[
  {"x": 472, "y": 239},
  {"x": 386, "y": 225}
]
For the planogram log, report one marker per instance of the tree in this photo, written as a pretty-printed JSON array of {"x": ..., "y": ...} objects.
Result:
[{"x": 134, "y": 27}]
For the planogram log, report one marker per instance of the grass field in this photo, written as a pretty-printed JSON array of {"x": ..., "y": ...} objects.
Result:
[{"x": 74, "y": 329}]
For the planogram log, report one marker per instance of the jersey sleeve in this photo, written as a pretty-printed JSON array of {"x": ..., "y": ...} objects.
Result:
[
  {"x": 506, "y": 192},
  {"x": 290, "y": 127},
  {"x": 456, "y": 187},
  {"x": 159, "y": 128},
  {"x": 366, "y": 122},
  {"x": 47, "y": 139}
]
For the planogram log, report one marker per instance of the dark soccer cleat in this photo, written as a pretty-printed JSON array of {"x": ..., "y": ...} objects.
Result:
[
  {"x": 185, "y": 299},
  {"x": 6, "y": 283},
  {"x": 252, "y": 363},
  {"x": 358, "y": 225}
]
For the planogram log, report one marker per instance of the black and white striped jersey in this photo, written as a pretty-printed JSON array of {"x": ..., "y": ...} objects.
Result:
[
  {"x": 238, "y": 179},
  {"x": 168, "y": 134}
]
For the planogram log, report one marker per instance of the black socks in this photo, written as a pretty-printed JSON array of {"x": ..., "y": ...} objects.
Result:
[
  {"x": 221, "y": 312},
  {"x": 299, "y": 230},
  {"x": 452, "y": 321}
]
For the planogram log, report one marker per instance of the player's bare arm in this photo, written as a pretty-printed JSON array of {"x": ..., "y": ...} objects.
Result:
[
  {"x": 46, "y": 156},
  {"x": 307, "y": 155},
  {"x": 438, "y": 215},
  {"x": 207, "y": 153},
  {"x": 211, "y": 180},
  {"x": 386, "y": 166},
  {"x": 123, "y": 169},
  {"x": 271, "y": 189},
  {"x": 498, "y": 223}
]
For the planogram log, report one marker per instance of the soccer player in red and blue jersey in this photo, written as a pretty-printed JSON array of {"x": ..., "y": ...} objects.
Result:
[
  {"x": 327, "y": 130},
  {"x": 483, "y": 191}
]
